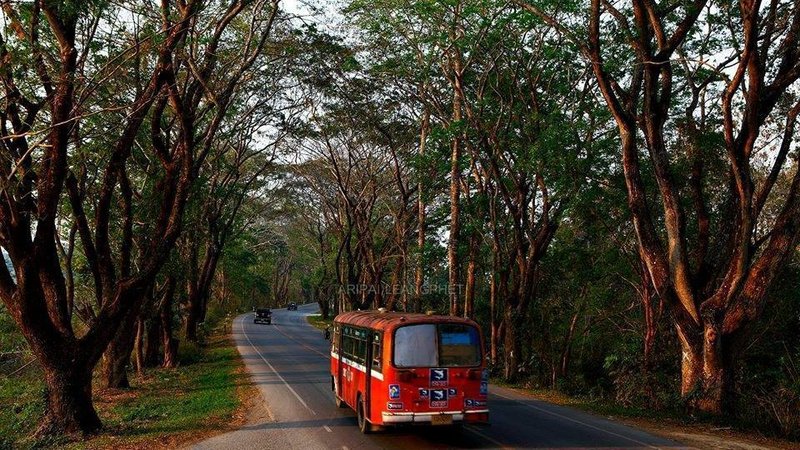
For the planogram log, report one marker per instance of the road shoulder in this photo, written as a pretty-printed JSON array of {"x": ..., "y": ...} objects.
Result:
[{"x": 694, "y": 435}]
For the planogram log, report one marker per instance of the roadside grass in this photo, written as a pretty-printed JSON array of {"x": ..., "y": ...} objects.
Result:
[
  {"x": 21, "y": 405},
  {"x": 165, "y": 408},
  {"x": 317, "y": 321}
]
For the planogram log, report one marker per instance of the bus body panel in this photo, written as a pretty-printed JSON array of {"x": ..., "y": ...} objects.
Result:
[{"x": 403, "y": 394}]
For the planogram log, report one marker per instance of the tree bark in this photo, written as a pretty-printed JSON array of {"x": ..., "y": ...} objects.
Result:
[
  {"x": 472, "y": 268},
  {"x": 139, "y": 347},
  {"x": 419, "y": 272},
  {"x": 69, "y": 408},
  {"x": 152, "y": 342},
  {"x": 168, "y": 342},
  {"x": 455, "y": 176},
  {"x": 117, "y": 357},
  {"x": 512, "y": 344}
]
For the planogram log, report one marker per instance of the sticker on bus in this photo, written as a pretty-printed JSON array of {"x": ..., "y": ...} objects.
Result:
[
  {"x": 470, "y": 403},
  {"x": 439, "y": 377},
  {"x": 439, "y": 398},
  {"x": 423, "y": 393},
  {"x": 394, "y": 406},
  {"x": 452, "y": 392},
  {"x": 394, "y": 391}
]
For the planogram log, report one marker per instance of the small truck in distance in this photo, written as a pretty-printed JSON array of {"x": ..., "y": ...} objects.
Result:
[{"x": 263, "y": 315}]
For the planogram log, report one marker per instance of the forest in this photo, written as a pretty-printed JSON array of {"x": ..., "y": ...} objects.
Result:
[{"x": 610, "y": 188}]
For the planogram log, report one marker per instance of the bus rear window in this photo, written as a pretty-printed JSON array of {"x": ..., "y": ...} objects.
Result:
[
  {"x": 437, "y": 345},
  {"x": 459, "y": 345},
  {"x": 415, "y": 346}
]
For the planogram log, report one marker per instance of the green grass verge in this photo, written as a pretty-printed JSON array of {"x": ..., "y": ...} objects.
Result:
[
  {"x": 317, "y": 321},
  {"x": 165, "y": 408}
]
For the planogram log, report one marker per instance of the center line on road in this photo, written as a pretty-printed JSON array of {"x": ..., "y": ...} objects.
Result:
[
  {"x": 327, "y": 428},
  {"x": 275, "y": 371},
  {"x": 301, "y": 343}
]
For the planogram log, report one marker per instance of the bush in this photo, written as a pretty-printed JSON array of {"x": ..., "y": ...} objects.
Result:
[{"x": 190, "y": 353}]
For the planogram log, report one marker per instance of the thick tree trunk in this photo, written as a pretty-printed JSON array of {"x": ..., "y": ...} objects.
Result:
[
  {"x": 706, "y": 371},
  {"x": 117, "y": 356},
  {"x": 69, "y": 408}
]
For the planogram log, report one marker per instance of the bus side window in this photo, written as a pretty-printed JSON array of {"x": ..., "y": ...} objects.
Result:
[
  {"x": 376, "y": 352},
  {"x": 347, "y": 343},
  {"x": 361, "y": 347}
]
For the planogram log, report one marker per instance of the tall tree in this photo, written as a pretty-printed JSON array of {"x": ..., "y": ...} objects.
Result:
[{"x": 715, "y": 276}]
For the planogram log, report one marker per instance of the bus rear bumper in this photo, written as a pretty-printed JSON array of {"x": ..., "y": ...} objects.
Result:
[{"x": 458, "y": 416}]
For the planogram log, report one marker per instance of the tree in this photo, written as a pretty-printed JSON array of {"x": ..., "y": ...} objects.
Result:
[
  {"x": 69, "y": 146},
  {"x": 715, "y": 276}
]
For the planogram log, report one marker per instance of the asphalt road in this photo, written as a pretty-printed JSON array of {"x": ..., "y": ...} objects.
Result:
[{"x": 289, "y": 362}]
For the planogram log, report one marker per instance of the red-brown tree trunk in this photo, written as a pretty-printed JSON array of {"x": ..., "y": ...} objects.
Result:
[
  {"x": 706, "y": 369},
  {"x": 69, "y": 408},
  {"x": 472, "y": 268},
  {"x": 168, "y": 341},
  {"x": 117, "y": 357}
]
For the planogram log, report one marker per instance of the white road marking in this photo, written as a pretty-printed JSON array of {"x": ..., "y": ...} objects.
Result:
[
  {"x": 327, "y": 428},
  {"x": 302, "y": 402},
  {"x": 644, "y": 444}
]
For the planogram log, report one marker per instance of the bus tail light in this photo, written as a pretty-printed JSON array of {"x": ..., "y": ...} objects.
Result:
[{"x": 474, "y": 374}]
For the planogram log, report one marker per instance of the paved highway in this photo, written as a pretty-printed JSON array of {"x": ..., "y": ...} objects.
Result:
[{"x": 289, "y": 362}]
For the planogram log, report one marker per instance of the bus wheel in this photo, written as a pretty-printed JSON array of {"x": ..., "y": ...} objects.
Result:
[{"x": 363, "y": 423}]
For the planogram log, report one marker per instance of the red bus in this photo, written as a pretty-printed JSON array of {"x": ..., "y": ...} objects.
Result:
[{"x": 399, "y": 368}]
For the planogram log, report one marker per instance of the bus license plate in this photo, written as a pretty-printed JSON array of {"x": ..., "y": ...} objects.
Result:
[{"x": 442, "y": 419}]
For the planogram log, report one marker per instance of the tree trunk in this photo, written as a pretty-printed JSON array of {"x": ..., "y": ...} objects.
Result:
[
  {"x": 192, "y": 317},
  {"x": 152, "y": 341},
  {"x": 493, "y": 336},
  {"x": 513, "y": 347},
  {"x": 706, "y": 371},
  {"x": 455, "y": 192},
  {"x": 419, "y": 272},
  {"x": 139, "y": 347},
  {"x": 69, "y": 408},
  {"x": 117, "y": 356},
  {"x": 169, "y": 343},
  {"x": 472, "y": 267}
]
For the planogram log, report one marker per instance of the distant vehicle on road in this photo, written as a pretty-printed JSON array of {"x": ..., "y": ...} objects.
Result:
[
  {"x": 262, "y": 315},
  {"x": 292, "y": 306},
  {"x": 397, "y": 368}
]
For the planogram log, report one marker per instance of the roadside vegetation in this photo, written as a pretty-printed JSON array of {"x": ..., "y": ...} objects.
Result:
[
  {"x": 164, "y": 408},
  {"x": 610, "y": 189},
  {"x": 317, "y": 321}
]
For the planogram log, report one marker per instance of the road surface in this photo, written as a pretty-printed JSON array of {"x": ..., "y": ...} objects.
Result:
[{"x": 289, "y": 362}]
